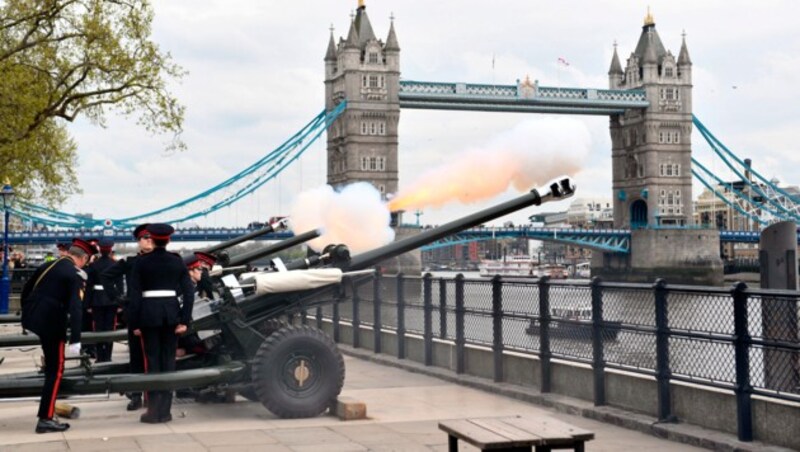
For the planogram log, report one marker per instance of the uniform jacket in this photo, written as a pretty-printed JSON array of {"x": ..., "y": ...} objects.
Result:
[
  {"x": 205, "y": 288},
  {"x": 96, "y": 295},
  {"x": 160, "y": 270},
  {"x": 55, "y": 299}
]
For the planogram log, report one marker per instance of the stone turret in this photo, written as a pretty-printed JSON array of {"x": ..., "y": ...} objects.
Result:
[
  {"x": 615, "y": 74},
  {"x": 362, "y": 143},
  {"x": 685, "y": 63}
]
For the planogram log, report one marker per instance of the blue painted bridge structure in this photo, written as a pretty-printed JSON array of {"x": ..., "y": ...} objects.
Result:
[
  {"x": 121, "y": 236},
  {"x": 524, "y": 97},
  {"x": 613, "y": 240}
]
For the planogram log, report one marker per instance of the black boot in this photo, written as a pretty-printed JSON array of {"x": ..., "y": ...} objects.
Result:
[
  {"x": 50, "y": 425},
  {"x": 152, "y": 414},
  {"x": 165, "y": 406},
  {"x": 135, "y": 403}
]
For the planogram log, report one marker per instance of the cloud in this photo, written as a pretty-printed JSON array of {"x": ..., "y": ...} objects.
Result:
[{"x": 256, "y": 76}]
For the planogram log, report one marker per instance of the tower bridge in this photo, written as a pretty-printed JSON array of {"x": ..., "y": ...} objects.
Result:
[{"x": 648, "y": 102}]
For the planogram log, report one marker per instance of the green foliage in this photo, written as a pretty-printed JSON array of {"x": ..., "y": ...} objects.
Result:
[{"x": 60, "y": 59}]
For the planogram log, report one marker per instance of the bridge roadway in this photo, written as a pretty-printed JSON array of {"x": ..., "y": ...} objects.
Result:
[
  {"x": 615, "y": 240},
  {"x": 525, "y": 96}
]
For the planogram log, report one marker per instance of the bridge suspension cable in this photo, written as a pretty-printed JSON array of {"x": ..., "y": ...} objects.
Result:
[
  {"x": 768, "y": 190},
  {"x": 217, "y": 197},
  {"x": 721, "y": 196}
]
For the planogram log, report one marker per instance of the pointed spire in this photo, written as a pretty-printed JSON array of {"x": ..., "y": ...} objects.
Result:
[
  {"x": 352, "y": 37},
  {"x": 648, "y": 19},
  {"x": 330, "y": 55},
  {"x": 616, "y": 67},
  {"x": 683, "y": 56},
  {"x": 391, "y": 40},
  {"x": 650, "y": 56},
  {"x": 363, "y": 26}
]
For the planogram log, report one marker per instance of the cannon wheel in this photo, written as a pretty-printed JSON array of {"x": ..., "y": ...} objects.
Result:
[
  {"x": 297, "y": 372},
  {"x": 266, "y": 328}
]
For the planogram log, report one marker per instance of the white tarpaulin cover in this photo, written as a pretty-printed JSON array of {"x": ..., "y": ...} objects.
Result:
[{"x": 277, "y": 282}]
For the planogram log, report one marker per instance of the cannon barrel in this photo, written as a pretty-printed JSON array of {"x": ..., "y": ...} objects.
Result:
[
  {"x": 272, "y": 305},
  {"x": 557, "y": 190},
  {"x": 331, "y": 254},
  {"x": 250, "y": 256},
  {"x": 242, "y": 238}
]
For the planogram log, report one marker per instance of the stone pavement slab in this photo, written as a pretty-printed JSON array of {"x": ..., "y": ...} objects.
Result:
[{"x": 403, "y": 410}]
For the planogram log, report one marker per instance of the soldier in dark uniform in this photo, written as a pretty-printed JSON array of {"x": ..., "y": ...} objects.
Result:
[
  {"x": 157, "y": 315},
  {"x": 124, "y": 267},
  {"x": 102, "y": 306},
  {"x": 51, "y": 296},
  {"x": 205, "y": 288},
  {"x": 87, "y": 322},
  {"x": 191, "y": 343}
]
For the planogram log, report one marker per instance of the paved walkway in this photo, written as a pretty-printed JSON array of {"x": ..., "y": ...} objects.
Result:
[{"x": 403, "y": 408}]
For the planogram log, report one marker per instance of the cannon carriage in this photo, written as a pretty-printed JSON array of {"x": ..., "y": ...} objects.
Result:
[{"x": 294, "y": 370}]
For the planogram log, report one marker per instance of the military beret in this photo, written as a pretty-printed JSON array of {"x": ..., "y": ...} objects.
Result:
[
  {"x": 106, "y": 244},
  {"x": 191, "y": 261},
  {"x": 160, "y": 231},
  {"x": 206, "y": 258},
  {"x": 87, "y": 247},
  {"x": 140, "y": 230}
]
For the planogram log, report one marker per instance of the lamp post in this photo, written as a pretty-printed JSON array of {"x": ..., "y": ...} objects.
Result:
[{"x": 5, "y": 285}]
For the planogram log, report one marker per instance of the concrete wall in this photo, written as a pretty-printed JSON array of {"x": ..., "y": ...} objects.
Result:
[
  {"x": 774, "y": 422},
  {"x": 680, "y": 256}
]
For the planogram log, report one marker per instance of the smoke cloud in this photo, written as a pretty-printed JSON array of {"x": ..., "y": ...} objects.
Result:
[
  {"x": 356, "y": 217},
  {"x": 532, "y": 153}
]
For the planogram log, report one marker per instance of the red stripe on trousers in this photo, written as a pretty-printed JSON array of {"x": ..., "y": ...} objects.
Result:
[
  {"x": 144, "y": 359},
  {"x": 59, "y": 374}
]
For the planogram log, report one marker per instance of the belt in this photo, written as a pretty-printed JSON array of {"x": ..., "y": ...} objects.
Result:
[
  {"x": 158, "y": 293},
  {"x": 98, "y": 287}
]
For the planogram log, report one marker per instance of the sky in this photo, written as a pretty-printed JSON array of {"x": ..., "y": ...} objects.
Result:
[{"x": 256, "y": 71}]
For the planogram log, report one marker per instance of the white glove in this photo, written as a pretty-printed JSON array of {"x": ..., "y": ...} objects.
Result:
[{"x": 74, "y": 349}]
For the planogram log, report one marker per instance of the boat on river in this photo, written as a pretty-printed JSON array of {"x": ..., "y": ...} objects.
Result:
[
  {"x": 574, "y": 323},
  {"x": 521, "y": 266}
]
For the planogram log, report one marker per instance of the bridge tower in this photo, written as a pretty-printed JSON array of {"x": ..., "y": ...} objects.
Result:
[
  {"x": 364, "y": 71},
  {"x": 651, "y": 148}
]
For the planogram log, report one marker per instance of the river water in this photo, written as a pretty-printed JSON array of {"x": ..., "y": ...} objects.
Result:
[{"x": 703, "y": 359}]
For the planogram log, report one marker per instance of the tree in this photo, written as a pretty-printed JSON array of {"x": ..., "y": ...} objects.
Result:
[{"x": 61, "y": 59}]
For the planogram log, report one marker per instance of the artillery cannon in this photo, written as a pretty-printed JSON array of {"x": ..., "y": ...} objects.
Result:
[{"x": 293, "y": 370}]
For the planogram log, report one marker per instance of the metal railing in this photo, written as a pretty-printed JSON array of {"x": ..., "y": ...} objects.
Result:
[{"x": 739, "y": 339}]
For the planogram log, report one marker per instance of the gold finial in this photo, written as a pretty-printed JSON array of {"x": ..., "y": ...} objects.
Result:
[
  {"x": 361, "y": 3},
  {"x": 648, "y": 19}
]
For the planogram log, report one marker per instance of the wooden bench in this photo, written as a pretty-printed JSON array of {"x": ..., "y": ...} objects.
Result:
[{"x": 515, "y": 434}]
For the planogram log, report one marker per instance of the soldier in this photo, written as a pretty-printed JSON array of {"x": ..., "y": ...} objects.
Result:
[
  {"x": 102, "y": 306},
  {"x": 51, "y": 295},
  {"x": 87, "y": 323},
  {"x": 205, "y": 288},
  {"x": 157, "y": 316},
  {"x": 191, "y": 343},
  {"x": 123, "y": 267}
]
